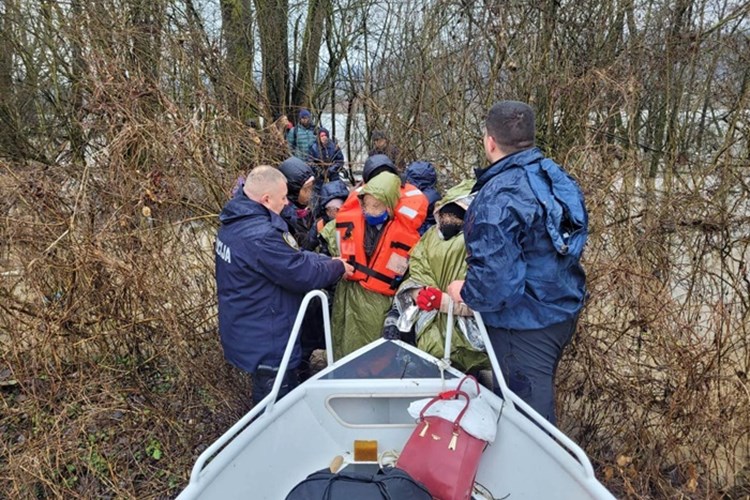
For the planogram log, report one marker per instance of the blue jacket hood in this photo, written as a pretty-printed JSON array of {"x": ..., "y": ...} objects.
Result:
[
  {"x": 556, "y": 191},
  {"x": 566, "y": 218},
  {"x": 333, "y": 190},
  {"x": 297, "y": 172},
  {"x": 422, "y": 174}
]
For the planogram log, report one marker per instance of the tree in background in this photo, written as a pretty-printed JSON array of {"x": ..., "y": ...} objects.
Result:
[
  {"x": 121, "y": 134},
  {"x": 238, "y": 36}
]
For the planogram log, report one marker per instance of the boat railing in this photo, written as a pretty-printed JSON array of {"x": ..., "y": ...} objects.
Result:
[{"x": 269, "y": 401}]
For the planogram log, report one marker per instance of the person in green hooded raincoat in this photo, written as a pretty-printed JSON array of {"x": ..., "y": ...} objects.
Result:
[
  {"x": 358, "y": 313},
  {"x": 438, "y": 259}
]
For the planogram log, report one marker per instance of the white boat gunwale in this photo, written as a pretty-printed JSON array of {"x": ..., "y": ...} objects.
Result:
[{"x": 229, "y": 444}]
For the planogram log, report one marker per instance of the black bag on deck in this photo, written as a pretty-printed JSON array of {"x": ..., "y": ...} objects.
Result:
[{"x": 388, "y": 483}]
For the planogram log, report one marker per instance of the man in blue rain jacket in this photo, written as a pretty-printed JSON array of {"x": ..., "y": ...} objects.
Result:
[
  {"x": 525, "y": 231},
  {"x": 261, "y": 278}
]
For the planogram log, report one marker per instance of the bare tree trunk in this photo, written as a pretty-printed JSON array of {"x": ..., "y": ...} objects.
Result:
[
  {"x": 77, "y": 138},
  {"x": 237, "y": 31},
  {"x": 8, "y": 131},
  {"x": 677, "y": 62},
  {"x": 272, "y": 18},
  {"x": 544, "y": 107},
  {"x": 146, "y": 17},
  {"x": 317, "y": 20}
]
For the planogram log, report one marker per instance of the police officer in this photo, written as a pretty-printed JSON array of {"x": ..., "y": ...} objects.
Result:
[
  {"x": 524, "y": 232},
  {"x": 261, "y": 278}
]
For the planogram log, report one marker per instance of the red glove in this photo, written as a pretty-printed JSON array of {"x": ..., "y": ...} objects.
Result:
[{"x": 429, "y": 298}]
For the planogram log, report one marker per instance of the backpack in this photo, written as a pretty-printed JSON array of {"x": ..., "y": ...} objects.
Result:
[{"x": 387, "y": 483}]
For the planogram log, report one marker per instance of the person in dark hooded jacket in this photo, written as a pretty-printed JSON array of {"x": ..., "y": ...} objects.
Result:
[
  {"x": 375, "y": 164},
  {"x": 422, "y": 174},
  {"x": 298, "y": 214},
  {"x": 381, "y": 145},
  {"x": 261, "y": 278},
  {"x": 326, "y": 157},
  {"x": 524, "y": 232},
  {"x": 299, "y": 217},
  {"x": 312, "y": 334},
  {"x": 332, "y": 196}
]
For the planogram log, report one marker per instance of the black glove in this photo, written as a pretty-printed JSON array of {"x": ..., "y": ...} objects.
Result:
[{"x": 391, "y": 332}]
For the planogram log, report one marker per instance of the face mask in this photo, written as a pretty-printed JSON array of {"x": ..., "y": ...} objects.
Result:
[
  {"x": 448, "y": 231},
  {"x": 374, "y": 220},
  {"x": 302, "y": 212}
]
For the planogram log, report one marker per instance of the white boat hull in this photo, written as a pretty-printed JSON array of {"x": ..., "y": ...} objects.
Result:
[
  {"x": 365, "y": 396},
  {"x": 322, "y": 418}
]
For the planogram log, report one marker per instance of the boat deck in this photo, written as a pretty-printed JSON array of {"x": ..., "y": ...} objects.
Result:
[{"x": 365, "y": 397}]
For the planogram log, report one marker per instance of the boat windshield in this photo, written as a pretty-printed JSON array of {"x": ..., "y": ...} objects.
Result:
[{"x": 387, "y": 360}]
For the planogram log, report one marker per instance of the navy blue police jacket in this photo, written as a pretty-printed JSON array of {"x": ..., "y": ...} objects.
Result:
[
  {"x": 525, "y": 232},
  {"x": 261, "y": 278}
]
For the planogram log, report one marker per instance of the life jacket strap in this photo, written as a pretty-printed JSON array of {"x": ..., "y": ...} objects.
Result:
[
  {"x": 401, "y": 246},
  {"x": 392, "y": 283},
  {"x": 349, "y": 228}
]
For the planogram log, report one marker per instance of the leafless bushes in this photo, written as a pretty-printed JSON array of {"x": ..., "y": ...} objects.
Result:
[
  {"x": 116, "y": 161},
  {"x": 111, "y": 368},
  {"x": 655, "y": 385},
  {"x": 122, "y": 132}
]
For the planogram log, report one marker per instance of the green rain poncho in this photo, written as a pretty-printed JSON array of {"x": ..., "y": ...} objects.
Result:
[
  {"x": 358, "y": 314},
  {"x": 436, "y": 262}
]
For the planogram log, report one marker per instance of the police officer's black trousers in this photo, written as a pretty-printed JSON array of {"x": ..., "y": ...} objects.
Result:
[
  {"x": 264, "y": 377},
  {"x": 528, "y": 360}
]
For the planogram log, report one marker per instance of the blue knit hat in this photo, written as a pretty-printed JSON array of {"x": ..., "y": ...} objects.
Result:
[{"x": 303, "y": 113}]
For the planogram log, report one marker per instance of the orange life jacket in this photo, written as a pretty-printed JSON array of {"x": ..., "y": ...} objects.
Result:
[
  {"x": 383, "y": 272},
  {"x": 413, "y": 204}
]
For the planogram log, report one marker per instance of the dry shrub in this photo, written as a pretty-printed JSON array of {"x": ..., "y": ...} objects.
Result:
[
  {"x": 655, "y": 384},
  {"x": 111, "y": 375}
]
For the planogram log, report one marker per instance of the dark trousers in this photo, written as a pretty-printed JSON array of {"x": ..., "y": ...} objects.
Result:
[
  {"x": 264, "y": 377},
  {"x": 311, "y": 336},
  {"x": 528, "y": 360}
]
